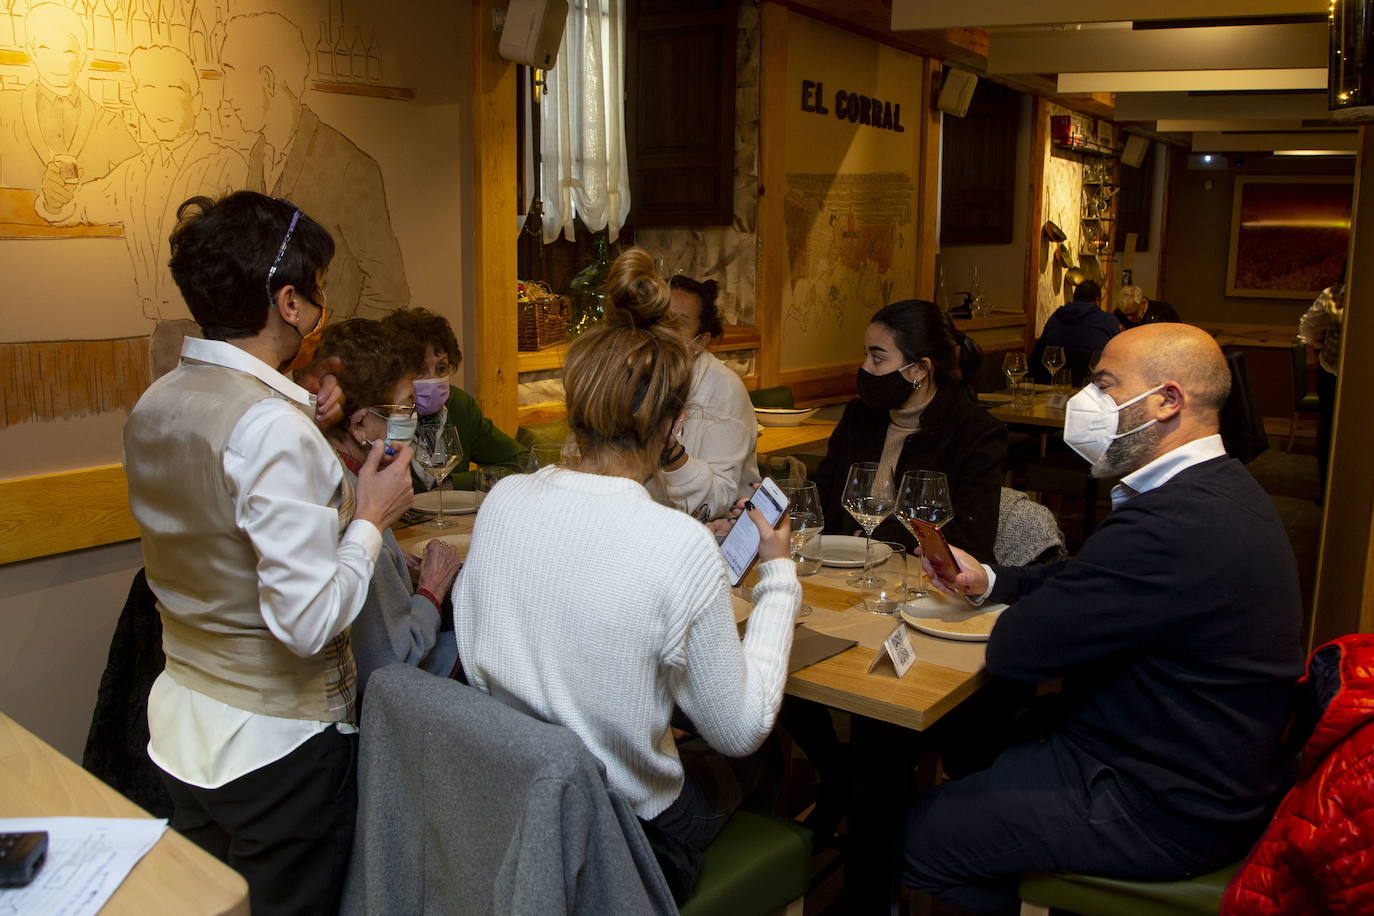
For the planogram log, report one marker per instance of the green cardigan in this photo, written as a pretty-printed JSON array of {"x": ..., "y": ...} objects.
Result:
[{"x": 484, "y": 445}]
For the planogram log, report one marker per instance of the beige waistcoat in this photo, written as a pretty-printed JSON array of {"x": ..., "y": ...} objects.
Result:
[{"x": 203, "y": 567}]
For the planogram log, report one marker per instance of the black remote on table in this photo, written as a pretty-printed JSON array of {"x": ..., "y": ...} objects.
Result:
[{"x": 21, "y": 856}]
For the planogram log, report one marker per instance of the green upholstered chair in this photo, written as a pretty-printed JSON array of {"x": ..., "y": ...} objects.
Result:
[
  {"x": 554, "y": 432},
  {"x": 781, "y": 396},
  {"x": 757, "y": 865},
  {"x": 1304, "y": 401},
  {"x": 1091, "y": 896}
]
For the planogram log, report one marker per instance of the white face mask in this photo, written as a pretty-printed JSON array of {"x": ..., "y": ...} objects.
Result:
[{"x": 1090, "y": 420}]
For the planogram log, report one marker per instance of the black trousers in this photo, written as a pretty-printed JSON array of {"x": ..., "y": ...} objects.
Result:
[
  {"x": 1041, "y": 807},
  {"x": 286, "y": 827}
]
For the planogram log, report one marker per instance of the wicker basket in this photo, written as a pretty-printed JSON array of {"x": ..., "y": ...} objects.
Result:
[{"x": 543, "y": 320}]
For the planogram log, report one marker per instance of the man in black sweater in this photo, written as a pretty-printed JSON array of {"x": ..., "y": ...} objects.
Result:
[{"x": 1176, "y": 633}]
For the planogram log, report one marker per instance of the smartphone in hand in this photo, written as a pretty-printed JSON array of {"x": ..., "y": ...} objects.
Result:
[
  {"x": 936, "y": 549},
  {"x": 741, "y": 546}
]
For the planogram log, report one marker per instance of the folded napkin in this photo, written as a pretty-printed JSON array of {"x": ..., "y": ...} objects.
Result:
[{"x": 810, "y": 647}]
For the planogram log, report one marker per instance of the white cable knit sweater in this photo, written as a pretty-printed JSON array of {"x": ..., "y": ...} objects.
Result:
[{"x": 585, "y": 603}]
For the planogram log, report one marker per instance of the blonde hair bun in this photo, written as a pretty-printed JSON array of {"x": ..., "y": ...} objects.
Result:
[{"x": 636, "y": 296}]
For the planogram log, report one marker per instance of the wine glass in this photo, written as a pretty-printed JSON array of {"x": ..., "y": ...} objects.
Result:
[
  {"x": 923, "y": 495},
  {"x": 542, "y": 455},
  {"x": 1014, "y": 368},
  {"x": 1053, "y": 361},
  {"x": 439, "y": 451},
  {"x": 868, "y": 496},
  {"x": 804, "y": 506}
]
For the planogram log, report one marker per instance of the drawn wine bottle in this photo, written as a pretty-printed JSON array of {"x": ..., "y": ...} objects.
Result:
[
  {"x": 18, "y": 13},
  {"x": 200, "y": 40},
  {"x": 140, "y": 25},
  {"x": 179, "y": 28},
  {"x": 103, "y": 28},
  {"x": 358, "y": 52},
  {"x": 324, "y": 55},
  {"x": 343, "y": 58},
  {"x": 6, "y": 28},
  {"x": 374, "y": 59}
]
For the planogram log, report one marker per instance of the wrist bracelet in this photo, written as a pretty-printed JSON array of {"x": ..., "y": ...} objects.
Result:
[{"x": 438, "y": 605}]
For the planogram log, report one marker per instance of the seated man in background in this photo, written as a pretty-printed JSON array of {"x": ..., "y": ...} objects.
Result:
[
  {"x": 1176, "y": 633},
  {"x": 1134, "y": 309},
  {"x": 431, "y": 352},
  {"x": 1080, "y": 327}
]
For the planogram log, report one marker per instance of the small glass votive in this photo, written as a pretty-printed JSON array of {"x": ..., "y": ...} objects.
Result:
[
  {"x": 885, "y": 588},
  {"x": 487, "y": 477}
]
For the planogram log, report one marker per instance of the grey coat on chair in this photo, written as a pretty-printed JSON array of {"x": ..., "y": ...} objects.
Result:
[
  {"x": 466, "y": 805},
  {"x": 1027, "y": 532}
]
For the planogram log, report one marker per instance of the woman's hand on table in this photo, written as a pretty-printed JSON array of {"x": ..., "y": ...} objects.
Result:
[
  {"x": 971, "y": 579},
  {"x": 439, "y": 567}
]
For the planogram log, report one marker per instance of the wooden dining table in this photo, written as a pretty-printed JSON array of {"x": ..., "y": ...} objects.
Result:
[
  {"x": 945, "y": 672},
  {"x": 786, "y": 440},
  {"x": 176, "y": 876}
]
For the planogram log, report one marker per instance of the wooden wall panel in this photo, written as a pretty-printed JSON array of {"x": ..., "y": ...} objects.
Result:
[{"x": 71, "y": 510}]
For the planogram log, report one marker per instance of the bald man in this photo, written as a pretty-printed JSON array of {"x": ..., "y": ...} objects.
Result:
[{"x": 1176, "y": 633}]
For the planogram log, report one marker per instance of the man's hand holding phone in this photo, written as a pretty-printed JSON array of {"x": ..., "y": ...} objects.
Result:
[{"x": 971, "y": 579}]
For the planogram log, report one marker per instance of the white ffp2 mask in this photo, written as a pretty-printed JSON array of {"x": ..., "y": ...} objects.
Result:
[{"x": 1090, "y": 421}]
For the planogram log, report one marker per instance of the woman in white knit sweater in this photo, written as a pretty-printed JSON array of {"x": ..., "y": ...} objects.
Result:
[{"x": 587, "y": 604}]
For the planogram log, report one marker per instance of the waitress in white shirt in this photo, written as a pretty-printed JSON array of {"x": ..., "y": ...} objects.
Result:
[
  {"x": 259, "y": 551},
  {"x": 713, "y": 463}
]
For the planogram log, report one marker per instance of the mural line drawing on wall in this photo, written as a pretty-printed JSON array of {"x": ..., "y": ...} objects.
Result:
[
  {"x": 113, "y": 112},
  {"x": 846, "y": 245}
]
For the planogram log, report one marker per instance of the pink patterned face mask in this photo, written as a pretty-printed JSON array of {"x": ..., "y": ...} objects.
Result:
[{"x": 430, "y": 395}]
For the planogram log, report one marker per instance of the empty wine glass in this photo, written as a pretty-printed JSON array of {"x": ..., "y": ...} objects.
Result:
[
  {"x": 923, "y": 495},
  {"x": 439, "y": 451},
  {"x": 1014, "y": 368},
  {"x": 542, "y": 455},
  {"x": 1053, "y": 360},
  {"x": 868, "y": 496}
]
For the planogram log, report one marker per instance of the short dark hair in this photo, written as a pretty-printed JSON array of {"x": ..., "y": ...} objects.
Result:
[
  {"x": 923, "y": 331},
  {"x": 222, "y": 251},
  {"x": 415, "y": 329},
  {"x": 1087, "y": 291},
  {"x": 372, "y": 361},
  {"x": 711, "y": 321}
]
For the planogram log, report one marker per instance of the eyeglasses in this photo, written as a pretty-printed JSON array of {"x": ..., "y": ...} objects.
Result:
[
  {"x": 276, "y": 262},
  {"x": 396, "y": 411}
]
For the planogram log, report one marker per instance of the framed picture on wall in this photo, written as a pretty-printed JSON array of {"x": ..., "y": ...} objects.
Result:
[{"x": 1289, "y": 235}]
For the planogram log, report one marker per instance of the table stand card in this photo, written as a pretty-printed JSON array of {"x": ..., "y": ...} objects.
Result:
[
  {"x": 897, "y": 650},
  {"x": 1056, "y": 400}
]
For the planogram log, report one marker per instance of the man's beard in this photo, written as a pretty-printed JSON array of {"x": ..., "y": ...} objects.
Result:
[{"x": 1130, "y": 453}]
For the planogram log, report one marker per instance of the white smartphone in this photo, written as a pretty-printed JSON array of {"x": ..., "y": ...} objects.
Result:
[{"x": 741, "y": 545}]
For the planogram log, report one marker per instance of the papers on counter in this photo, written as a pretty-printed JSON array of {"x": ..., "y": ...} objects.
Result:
[{"x": 88, "y": 858}]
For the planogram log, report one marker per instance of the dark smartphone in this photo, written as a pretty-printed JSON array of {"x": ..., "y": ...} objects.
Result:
[
  {"x": 21, "y": 857},
  {"x": 936, "y": 548}
]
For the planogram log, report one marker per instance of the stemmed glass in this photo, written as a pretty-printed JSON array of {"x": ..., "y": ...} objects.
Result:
[
  {"x": 923, "y": 495},
  {"x": 1014, "y": 368},
  {"x": 542, "y": 455},
  {"x": 804, "y": 506},
  {"x": 439, "y": 451},
  {"x": 868, "y": 496},
  {"x": 1053, "y": 360}
]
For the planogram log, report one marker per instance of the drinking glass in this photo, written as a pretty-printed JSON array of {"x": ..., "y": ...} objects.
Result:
[
  {"x": 885, "y": 594},
  {"x": 542, "y": 455},
  {"x": 923, "y": 495},
  {"x": 807, "y": 520},
  {"x": 868, "y": 496},
  {"x": 439, "y": 451},
  {"x": 1053, "y": 360},
  {"x": 1014, "y": 368},
  {"x": 487, "y": 477}
]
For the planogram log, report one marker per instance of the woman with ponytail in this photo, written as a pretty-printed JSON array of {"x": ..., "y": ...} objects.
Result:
[
  {"x": 914, "y": 412},
  {"x": 589, "y": 605}
]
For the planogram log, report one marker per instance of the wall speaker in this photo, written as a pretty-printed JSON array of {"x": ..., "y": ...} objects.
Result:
[
  {"x": 1134, "y": 153},
  {"x": 533, "y": 32},
  {"x": 956, "y": 92}
]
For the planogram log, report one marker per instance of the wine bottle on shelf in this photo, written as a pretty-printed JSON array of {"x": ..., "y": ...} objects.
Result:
[
  {"x": 324, "y": 55},
  {"x": 343, "y": 58},
  {"x": 374, "y": 59},
  {"x": 357, "y": 52}
]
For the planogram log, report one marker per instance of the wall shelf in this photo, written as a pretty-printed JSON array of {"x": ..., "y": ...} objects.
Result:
[{"x": 736, "y": 337}]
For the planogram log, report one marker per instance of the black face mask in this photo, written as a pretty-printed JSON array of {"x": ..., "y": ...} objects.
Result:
[{"x": 884, "y": 392}]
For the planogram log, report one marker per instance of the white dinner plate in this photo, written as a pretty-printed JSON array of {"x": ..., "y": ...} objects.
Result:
[
  {"x": 952, "y": 618},
  {"x": 784, "y": 416},
  {"x": 460, "y": 541},
  {"x": 456, "y": 502},
  {"x": 847, "y": 552}
]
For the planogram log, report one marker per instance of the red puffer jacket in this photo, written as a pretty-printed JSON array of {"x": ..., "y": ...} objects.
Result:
[{"x": 1317, "y": 855}]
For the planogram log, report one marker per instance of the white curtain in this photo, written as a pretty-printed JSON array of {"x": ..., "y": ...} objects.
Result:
[{"x": 582, "y": 118}]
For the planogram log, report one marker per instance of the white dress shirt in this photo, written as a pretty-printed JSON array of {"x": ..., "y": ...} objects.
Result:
[
  {"x": 719, "y": 432},
  {"x": 1155, "y": 474},
  {"x": 311, "y": 582}
]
